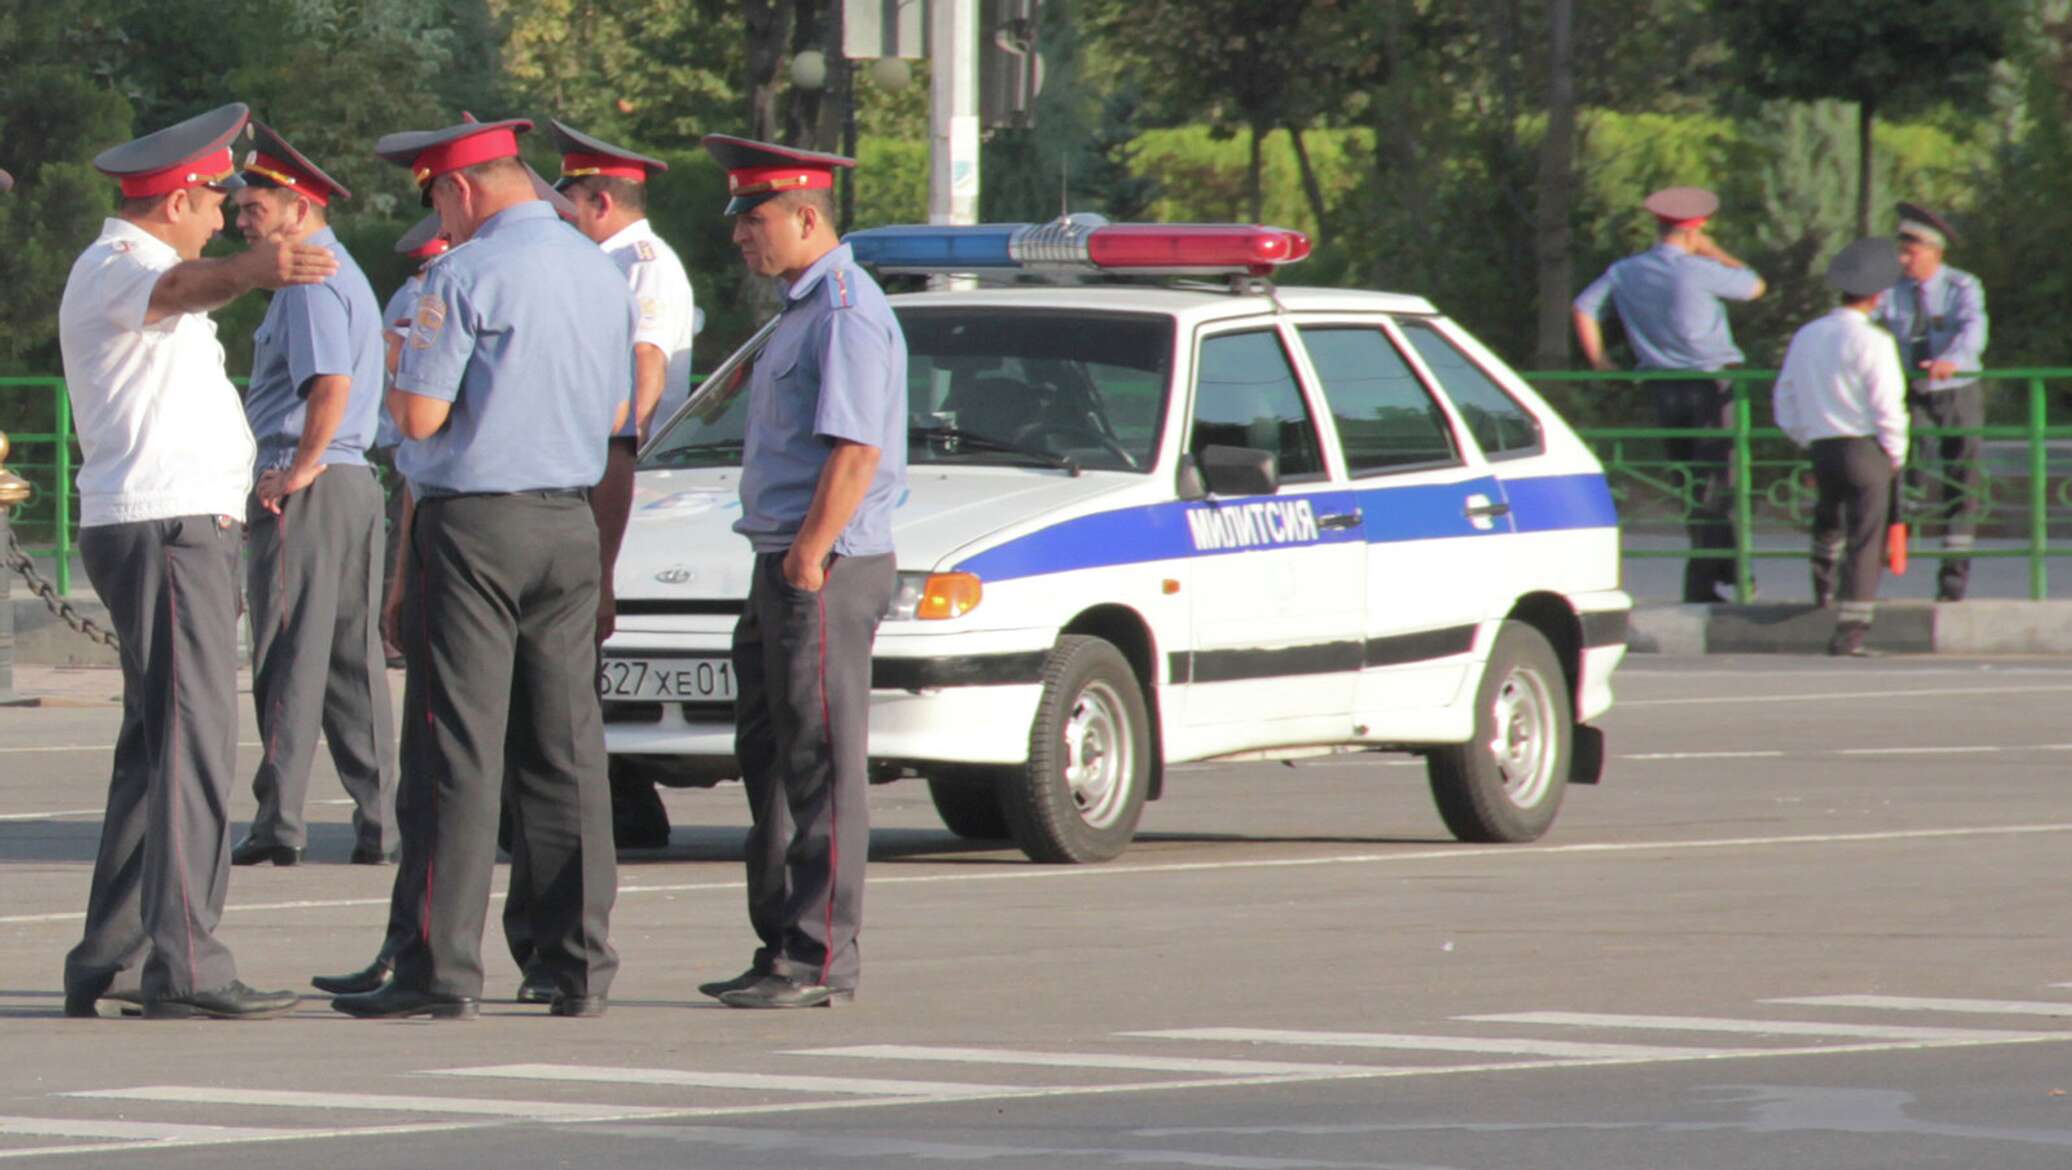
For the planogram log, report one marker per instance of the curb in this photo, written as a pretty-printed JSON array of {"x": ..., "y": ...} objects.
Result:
[{"x": 1901, "y": 627}]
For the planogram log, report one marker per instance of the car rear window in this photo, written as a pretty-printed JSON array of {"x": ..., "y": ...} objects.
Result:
[{"x": 1502, "y": 427}]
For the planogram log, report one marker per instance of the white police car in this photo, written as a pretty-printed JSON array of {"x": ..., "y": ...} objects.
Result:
[{"x": 1148, "y": 524}]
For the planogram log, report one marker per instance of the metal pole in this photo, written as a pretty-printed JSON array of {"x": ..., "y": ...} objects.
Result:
[
  {"x": 13, "y": 490},
  {"x": 2039, "y": 498},
  {"x": 61, "y": 499},
  {"x": 953, "y": 117},
  {"x": 1744, "y": 506}
]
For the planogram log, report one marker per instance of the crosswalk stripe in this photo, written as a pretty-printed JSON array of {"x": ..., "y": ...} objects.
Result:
[
  {"x": 398, "y": 1103},
  {"x": 1755, "y": 1027},
  {"x": 1984, "y": 1007},
  {"x": 134, "y": 1131},
  {"x": 1240, "y": 1068},
  {"x": 593, "y": 1074},
  {"x": 1564, "y": 1049}
]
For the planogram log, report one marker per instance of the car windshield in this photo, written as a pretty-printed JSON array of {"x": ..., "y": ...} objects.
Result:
[{"x": 1008, "y": 387}]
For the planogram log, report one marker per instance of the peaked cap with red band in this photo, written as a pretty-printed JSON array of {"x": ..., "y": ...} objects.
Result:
[
  {"x": 194, "y": 153},
  {"x": 274, "y": 163},
  {"x": 431, "y": 153},
  {"x": 583, "y": 156},
  {"x": 1682, "y": 206},
  {"x": 424, "y": 241},
  {"x": 757, "y": 171}
]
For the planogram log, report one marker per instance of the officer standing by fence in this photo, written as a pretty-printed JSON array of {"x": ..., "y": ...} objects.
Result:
[
  {"x": 1841, "y": 395},
  {"x": 824, "y": 461},
  {"x": 1669, "y": 298},
  {"x": 517, "y": 369},
  {"x": 168, "y": 462},
  {"x": 1938, "y": 313},
  {"x": 314, "y": 525}
]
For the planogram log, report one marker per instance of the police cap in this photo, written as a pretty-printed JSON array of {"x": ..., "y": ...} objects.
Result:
[
  {"x": 1865, "y": 267},
  {"x": 758, "y": 171},
  {"x": 431, "y": 153},
  {"x": 274, "y": 163},
  {"x": 1682, "y": 206},
  {"x": 583, "y": 156},
  {"x": 423, "y": 241},
  {"x": 194, "y": 153},
  {"x": 1921, "y": 225}
]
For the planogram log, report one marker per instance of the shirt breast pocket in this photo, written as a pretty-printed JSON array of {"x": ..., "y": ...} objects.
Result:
[{"x": 795, "y": 393}]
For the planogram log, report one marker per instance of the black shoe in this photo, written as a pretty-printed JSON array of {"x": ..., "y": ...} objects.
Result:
[
  {"x": 538, "y": 987},
  {"x": 1848, "y": 642},
  {"x": 775, "y": 991},
  {"x": 373, "y": 977},
  {"x": 395, "y": 1002},
  {"x": 80, "y": 1003},
  {"x": 250, "y": 852},
  {"x": 577, "y": 1007},
  {"x": 371, "y": 855},
  {"x": 232, "y": 1001},
  {"x": 744, "y": 980}
]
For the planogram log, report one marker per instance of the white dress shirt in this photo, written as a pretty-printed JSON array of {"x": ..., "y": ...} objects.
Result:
[
  {"x": 667, "y": 315},
  {"x": 159, "y": 422},
  {"x": 1841, "y": 378}
]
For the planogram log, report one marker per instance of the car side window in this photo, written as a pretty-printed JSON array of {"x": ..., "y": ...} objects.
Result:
[
  {"x": 1246, "y": 395},
  {"x": 1502, "y": 427},
  {"x": 1386, "y": 418}
]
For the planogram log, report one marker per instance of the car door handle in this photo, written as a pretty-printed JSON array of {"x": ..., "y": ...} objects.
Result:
[
  {"x": 1341, "y": 519},
  {"x": 1498, "y": 509}
]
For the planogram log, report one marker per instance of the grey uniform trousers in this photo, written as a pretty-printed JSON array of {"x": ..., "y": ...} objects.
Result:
[
  {"x": 312, "y": 575},
  {"x": 500, "y": 611},
  {"x": 1854, "y": 479},
  {"x": 1955, "y": 478},
  {"x": 164, "y": 862},
  {"x": 802, "y": 721}
]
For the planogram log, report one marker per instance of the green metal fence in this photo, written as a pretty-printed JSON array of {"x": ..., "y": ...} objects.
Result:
[{"x": 1771, "y": 478}]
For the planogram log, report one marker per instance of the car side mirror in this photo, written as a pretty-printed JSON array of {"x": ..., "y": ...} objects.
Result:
[{"x": 1239, "y": 471}]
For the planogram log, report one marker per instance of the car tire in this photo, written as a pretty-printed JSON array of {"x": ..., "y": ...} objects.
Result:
[
  {"x": 1506, "y": 784},
  {"x": 1078, "y": 798},
  {"x": 969, "y": 805},
  {"x": 638, "y": 819}
]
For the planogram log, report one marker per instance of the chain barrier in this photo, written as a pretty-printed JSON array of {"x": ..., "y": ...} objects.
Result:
[{"x": 18, "y": 561}]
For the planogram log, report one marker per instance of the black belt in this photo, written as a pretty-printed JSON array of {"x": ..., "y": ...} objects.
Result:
[{"x": 534, "y": 493}]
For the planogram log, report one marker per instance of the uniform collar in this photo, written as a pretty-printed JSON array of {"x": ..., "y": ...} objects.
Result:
[
  {"x": 838, "y": 256},
  {"x": 516, "y": 213},
  {"x": 1942, "y": 273},
  {"x": 117, "y": 228},
  {"x": 640, "y": 229},
  {"x": 323, "y": 237}
]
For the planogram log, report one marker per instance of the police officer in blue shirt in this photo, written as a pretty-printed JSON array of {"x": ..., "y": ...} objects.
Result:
[
  {"x": 1938, "y": 314},
  {"x": 314, "y": 524},
  {"x": 1669, "y": 298},
  {"x": 823, "y": 464},
  {"x": 517, "y": 369}
]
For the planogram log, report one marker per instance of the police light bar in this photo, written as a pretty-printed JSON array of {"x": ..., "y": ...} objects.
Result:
[{"x": 1081, "y": 244}]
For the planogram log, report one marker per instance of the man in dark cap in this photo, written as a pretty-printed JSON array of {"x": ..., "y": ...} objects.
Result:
[
  {"x": 517, "y": 369},
  {"x": 1939, "y": 316},
  {"x": 314, "y": 524},
  {"x": 1842, "y": 396},
  {"x": 168, "y": 464},
  {"x": 1669, "y": 298},
  {"x": 823, "y": 463}
]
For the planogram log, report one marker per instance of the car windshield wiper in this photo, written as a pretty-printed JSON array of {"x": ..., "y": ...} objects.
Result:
[
  {"x": 980, "y": 442},
  {"x": 677, "y": 456}
]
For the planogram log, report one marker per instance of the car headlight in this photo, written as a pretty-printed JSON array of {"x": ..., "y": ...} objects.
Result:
[{"x": 933, "y": 597}]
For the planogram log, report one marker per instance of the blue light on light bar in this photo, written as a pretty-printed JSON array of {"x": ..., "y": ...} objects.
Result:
[{"x": 936, "y": 248}]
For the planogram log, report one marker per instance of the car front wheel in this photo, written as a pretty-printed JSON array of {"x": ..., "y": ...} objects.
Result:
[
  {"x": 1506, "y": 783},
  {"x": 1080, "y": 795}
]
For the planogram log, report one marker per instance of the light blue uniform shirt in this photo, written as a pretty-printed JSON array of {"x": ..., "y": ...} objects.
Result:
[
  {"x": 1956, "y": 322},
  {"x": 835, "y": 368},
  {"x": 395, "y": 319},
  {"x": 1669, "y": 301},
  {"x": 313, "y": 330},
  {"x": 527, "y": 329}
]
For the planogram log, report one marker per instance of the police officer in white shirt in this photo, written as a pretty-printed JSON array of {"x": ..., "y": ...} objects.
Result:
[
  {"x": 1842, "y": 395},
  {"x": 168, "y": 460}
]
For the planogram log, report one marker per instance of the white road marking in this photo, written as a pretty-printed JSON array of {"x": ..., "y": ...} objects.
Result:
[
  {"x": 1955, "y": 751},
  {"x": 1396, "y": 1040},
  {"x": 1703, "y": 756},
  {"x": 128, "y": 1131},
  {"x": 1906, "y": 1003},
  {"x": 1822, "y": 696},
  {"x": 242, "y": 1137},
  {"x": 53, "y": 814},
  {"x": 1449, "y": 853},
  {"x": 594, "y": 1074},
  {"x": 1925, "y": 1035},
  {"x": 1235, "y": 1068},
  {"x": 393, "y": 1103},
  {"x": 83, "y": 747}
]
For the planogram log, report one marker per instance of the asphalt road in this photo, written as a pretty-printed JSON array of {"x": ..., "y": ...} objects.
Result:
[{"x": 1814, "y": 917}]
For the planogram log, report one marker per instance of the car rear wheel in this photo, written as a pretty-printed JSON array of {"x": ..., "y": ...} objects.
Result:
[
  {"x": 1506, "y": 783},
  {"x": 1080, "y": 795},
  {"x": 969, "y": 805}
]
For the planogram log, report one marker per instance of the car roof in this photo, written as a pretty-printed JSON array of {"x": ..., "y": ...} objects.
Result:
[{"x": 1204, "y": 303}]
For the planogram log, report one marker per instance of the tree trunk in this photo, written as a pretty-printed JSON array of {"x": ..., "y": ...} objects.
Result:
[
  {"x": 1557, "y": 173},
  {"x": 1310, "y": 187},
  {"x": 1255, "y": 200},
  {"x": 765, "y": 25},
  {"x": 1866, "y": 112}
]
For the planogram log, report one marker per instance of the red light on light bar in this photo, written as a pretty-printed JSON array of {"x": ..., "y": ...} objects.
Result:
[{"x": 1203, "y": 246}]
